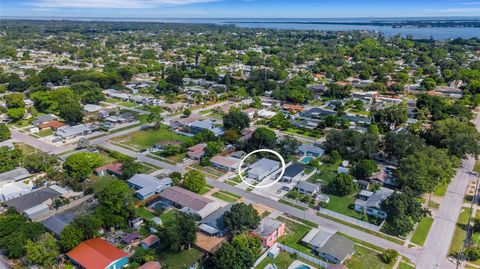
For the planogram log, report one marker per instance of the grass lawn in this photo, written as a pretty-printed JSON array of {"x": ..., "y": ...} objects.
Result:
[
  {"x": 144, "y": 213},
  {"x": 112, "y": 100},
  {"x": 100, "y": 183},
  {"x": 106, "y": 159},
  {"x": 127, "y": 104},
  {"x": 230, "y": 194},
  {"x": 26, "y": 149},
  {"x": 177, "y": 158},
  {"x": 341, "y": 204},
  {"x": 45, "y": 132},
  {"x": 205, "y": 189},
  {"x": 303, "y": 133},
  {"x": 180, "y": 260},
  {"x": 209, "y": 170},
  {"x": 404, "y": 265},
  {"x": 460, "y": 231},
  {"x": 144, "y": 139},
  {"x": 282, "y": 261},
  {"x": 294, "y": 234},
  {"x": 224, "y": 197},
  {"x": 326, "y": 173},
  {"x": 291, "y": 204},
  {"x": 476, "y": 168},
  {"x": 168, "y": 216},
  {"x": 441, "y": 190},
  {"x": 366, "y": 259},
  {"x": 421, "y": 233}
]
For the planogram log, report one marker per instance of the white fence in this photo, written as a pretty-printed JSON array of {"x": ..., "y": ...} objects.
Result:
[
  {"x": 351, "y": 220},
  {"x": 304, "y": 256}
]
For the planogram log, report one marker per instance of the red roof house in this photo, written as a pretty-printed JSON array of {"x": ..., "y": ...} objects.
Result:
[
  {"x": 97, "y": 254},
  {"x": 114, "y": 169}
]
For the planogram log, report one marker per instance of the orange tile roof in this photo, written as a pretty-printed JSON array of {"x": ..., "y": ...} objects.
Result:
[
  {"x": 52, "y": 124},
  {"x": 95, "y": 254},
  {"x": 291, "y": 107}
]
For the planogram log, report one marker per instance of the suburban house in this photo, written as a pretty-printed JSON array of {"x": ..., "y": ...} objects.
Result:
[
  {"x": 97, "y": 254},
  {"x": 370, "y": 202},
  {"x": 36, "y": 203},
  {"x": 329, "y": 245},
  {"x": 189, "y": 202},
  {"x": 44, "y": 119},
  {"x": 317, "y": 112},
  {"x": 262, "y": 168},
  {"x": 113, "y": 169},
  {"x": 251, "y": 112},
  {"x": 213, "y": 225},
  {"x": 200, "y": 125},
  {"x": 57, "y": 223},
  {"x": 146, "y": 186},
  {"x": 14, "y": 175},
  {"x": 305, "y": 187},
  {"x": 310, "y": 150},
  {"x": 269, "y": 231},
  {"x": 293, "y": 108},
  {"x": 13, "y": 189},
  {"x": 74, "y": 131},
  {"x": 225, "y": 163},
  {"x": 196, "y": 152},
  {"x": 293, "y": 172},
  {"x": 150, "y": 241},
  {"x": 53, "y": 124}
]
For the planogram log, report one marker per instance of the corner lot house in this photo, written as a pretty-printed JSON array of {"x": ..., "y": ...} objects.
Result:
[
  {"x": 97, "y": 254},
  {"x": 269, "y": 231},
  {"x": 262, "y": 168},
  {"x": 189, "y": 202},
  {"x": 370, "y": 202},
  {"x": 146, "y": 186},
  {"x": 307, "y": 188},
  {"x": 328, "y": 245},
  {"x": 225, "y": 163},
  {"x": 74, "y": 131},
  {"x": 293, "y": 172}
]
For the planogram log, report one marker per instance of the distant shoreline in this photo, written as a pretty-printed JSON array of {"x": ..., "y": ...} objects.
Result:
[{"x": 402, "y": 24}]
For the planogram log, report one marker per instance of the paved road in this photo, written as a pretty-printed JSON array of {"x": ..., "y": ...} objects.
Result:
[
  {"x": 437, "y": 245},
  {"x": 32, "y": 141}
]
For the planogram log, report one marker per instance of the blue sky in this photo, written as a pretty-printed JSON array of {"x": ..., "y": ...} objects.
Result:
[{"x": 239, "y": 8}]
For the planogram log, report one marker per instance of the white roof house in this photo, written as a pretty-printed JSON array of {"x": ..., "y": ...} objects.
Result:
[{"x": 262, "y": 168}]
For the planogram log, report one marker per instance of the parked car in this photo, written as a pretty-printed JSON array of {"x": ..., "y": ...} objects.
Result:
[{"x": 286, "y": 188}]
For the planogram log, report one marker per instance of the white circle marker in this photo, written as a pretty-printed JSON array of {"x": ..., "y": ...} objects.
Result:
[{"x": 256, "y": 151}]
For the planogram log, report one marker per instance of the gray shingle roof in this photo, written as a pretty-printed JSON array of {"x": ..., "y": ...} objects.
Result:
[
  {"x": 294, "y": 169},
  {"x": 215, "y": 220},
  {"x": 14, "y": 175},
  {"x": 57, "y": 223},
  {"x": 338, "y": 246},
  {"x": 32, "y": 199},
  {"x": 185, "y": 198}
]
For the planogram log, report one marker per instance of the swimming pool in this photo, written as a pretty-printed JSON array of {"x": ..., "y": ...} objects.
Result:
[
  {"x": 303, "y": 266},
  {"x": 306, "y": 160}
]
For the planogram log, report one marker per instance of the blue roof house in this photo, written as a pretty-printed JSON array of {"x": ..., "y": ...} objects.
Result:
[
  {"x": 146, "y": 186},
  {"x": 200, "y": 125}
]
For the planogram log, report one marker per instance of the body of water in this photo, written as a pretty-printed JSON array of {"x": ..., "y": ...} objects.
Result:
[{"x": 438, "y": 33}]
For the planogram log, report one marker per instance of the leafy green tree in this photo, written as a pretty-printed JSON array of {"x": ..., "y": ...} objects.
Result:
[
  {"x": 241, "y": 253},
  {"x": 400, "y": 144},
  {"x": 256, "y": 102},
  {"x": 351, "y": 144},
  {"x": 472, "y": 253},
  {"x": 287, "y": 146},
  {"x": 39, "y": 161},
  {"x": 155, "y": 116},
  {"x": 428, "y": 84},
  {"x": 179, "y": 233},
  {"x": 338, "y": 91},
  {"x": 262, "y": 138},
  {"x": 176, "y": 178},
  {"x": 459, "y": 138},
  {"x": 43, "y": 252},
  {"x": 115, "y": 204},
  {"x": 241, "y": 218},
  {"x": 4, "y": 132},
  {"x": 231, "y": 136},
  {"x": 364, "y": 168},
  {"x": 15, "y": 230},
  {"x": 88, "y": 224},
  {"x": 194, "y": 181},
  {"x": 342, "y": 185},
  {"x": 70, "y": 237},
  {"x": 187, "y": 112},
  {"x": 390, "y": 117},
  {"x": 89, "y": 92},
  {"x": 279, "y": 121},
  {"x": 130, "y": 168},
  {"x": 389, "y": 256},
  {"x": 16, "y": 114},
  {"x": 9, "y": 158},
  {"x": 175, "y": 77},
  {"x": 71, "y": 112},
  {"x": 236, "y": 119},
  {"x": 80, "y": 165},
  {"x": 51, "y": 74},
  {"x": 14, "y": 100},
  {"x": 403, "y": 211},
  {"x": 142, "y": 255}
]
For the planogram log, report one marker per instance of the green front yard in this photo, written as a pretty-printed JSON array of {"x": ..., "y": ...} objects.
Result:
[
  {"x": 282, "y": 261},
  {"x": 145, "y": 139},
  {"x": 100, "y": 183},
  {"x": 460, "y": 231},
  {"x": 179, "y": 260},
  {"x": 224, "y": 197},
  {"x": 404, "y": 265},
  {"x": 422, "y": 230},
  {"x": 326, "y": 173},
  {"x": 45, "y": 132},
  {"x": 294, "y": 234},
  {"x": 168, "y": 216},
  {"x": 364, "y": 258},
  {"x": 344, "y": 205},
  {"x": 144, "y": 213}
]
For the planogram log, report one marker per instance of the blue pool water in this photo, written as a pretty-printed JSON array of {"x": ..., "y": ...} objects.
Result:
[
  {"x": 303, "y": 266},
  {"x": 306, "y": 160}
]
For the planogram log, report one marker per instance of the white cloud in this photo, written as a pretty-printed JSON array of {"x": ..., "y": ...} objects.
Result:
[
  {"x": 113, "y": 3},
  {"x": 461, "y": 10}
]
